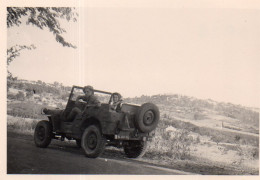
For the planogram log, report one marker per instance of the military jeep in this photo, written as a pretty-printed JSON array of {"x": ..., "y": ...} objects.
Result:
[{"x": 129, "y": 128}]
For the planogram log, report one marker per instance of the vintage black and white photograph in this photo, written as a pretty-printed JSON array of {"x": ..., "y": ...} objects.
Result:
[{"x": 133, "y": 88}]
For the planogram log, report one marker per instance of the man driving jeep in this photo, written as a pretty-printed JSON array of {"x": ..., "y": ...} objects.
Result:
[{"x": 89, "y": 99}]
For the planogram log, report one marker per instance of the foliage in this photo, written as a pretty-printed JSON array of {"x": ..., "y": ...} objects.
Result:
[
  {"x": 14, "y": 51},
  {"x": 43, "y": 18}
]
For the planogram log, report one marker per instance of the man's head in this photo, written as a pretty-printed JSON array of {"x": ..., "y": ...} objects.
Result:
[{"x": 88, "y": 90}]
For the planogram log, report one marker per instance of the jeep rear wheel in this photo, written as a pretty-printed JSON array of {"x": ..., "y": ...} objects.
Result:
[
  {"x": 92, "y": 141},
  {"x": 135, "y": 149},
  {"x": 43, "y": 134},
  {"x": 147, "y": 117}
]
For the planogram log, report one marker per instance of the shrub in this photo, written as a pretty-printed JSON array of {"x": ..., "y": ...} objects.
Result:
[
  {"x": 11, "y": 96},
  {"x": 20, "y": 96},
  {"x": 198, "y": 139},
  {"x": 175, "y": 145},
  {"x": 9, "y": 85},
  {"x": 180, "y": 144},
  {"x": 255, "y": 153},
  {"x": 64, "y": 96},
  {"x": 198, "y": 116},
  {"x": 29, "y": 94},
  {"x": 60, "y": 106},
  {"x": 237, "y": 138}
]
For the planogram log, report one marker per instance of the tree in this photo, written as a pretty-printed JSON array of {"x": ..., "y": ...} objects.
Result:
[
  {"x": 56, "y": 84},
  {"x": 20, "y": 96},
  {"x": 41, "y": 18},
  {"x": 12, "y": 53},
  {"x": 29, "y": 94}
]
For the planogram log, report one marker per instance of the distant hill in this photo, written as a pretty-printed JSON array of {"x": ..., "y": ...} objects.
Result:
[
  {"x": 200, "y": 112},
  {"x": 204, "y": 112}
]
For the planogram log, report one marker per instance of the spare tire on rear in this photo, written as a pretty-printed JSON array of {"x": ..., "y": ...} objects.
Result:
[{"x": 147, "y": 117}]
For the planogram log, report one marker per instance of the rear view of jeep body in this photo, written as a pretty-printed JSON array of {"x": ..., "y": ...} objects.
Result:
[{"x": 129, "y": 128}]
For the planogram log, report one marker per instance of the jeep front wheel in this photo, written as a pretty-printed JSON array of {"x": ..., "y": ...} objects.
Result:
[
  {"x": 43, "y": 134},
  {"x": 135, "y": 149},
  {"x": 92, "y": 141}
]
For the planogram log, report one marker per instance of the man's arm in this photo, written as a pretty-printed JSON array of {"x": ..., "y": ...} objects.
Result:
[
  {"x": 93, "y": 102},
  {"x": 78, "y": 98}
]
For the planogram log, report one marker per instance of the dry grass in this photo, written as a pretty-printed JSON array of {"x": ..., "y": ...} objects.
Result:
[
  {"x": 22, "y": 125},
  {"x": 25, "y": 109}
]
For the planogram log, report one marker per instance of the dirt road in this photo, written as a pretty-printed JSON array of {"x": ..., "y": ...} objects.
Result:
[{"x": 23, "y": 157}]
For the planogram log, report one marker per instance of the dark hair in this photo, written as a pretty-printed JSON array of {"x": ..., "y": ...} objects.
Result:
[
  {"x": 89, "y": 88},
  {"x": 117, "y": 94}
]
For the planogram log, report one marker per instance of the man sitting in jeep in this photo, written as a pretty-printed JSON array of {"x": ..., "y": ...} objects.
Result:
[{"x": 89, "y": 99}]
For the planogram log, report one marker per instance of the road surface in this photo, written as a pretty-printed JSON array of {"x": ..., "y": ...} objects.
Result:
[{"x": 23, "y": 157}]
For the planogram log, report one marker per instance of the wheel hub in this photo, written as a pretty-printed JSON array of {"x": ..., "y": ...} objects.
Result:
[
  {"x": 92, "y": 141},
  {"x": 148, "y": 118},
  {"x": 41, "y": 133}
]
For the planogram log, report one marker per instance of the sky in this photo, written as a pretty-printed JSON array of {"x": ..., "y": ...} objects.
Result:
[{"x": 201, "y": 52}]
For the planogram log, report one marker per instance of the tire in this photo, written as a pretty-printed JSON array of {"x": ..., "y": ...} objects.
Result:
[
  {"x": 135, "y": 149},
  {"x": 147, "y": 117},
  {"x": 78, "y": 142},
  {"x": 93, "y": 142},
  {"x": 43, "y": 134}
]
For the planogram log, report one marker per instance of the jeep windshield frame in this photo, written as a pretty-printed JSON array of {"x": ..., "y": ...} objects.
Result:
[{"x": 95, "y": 90}]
